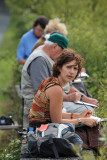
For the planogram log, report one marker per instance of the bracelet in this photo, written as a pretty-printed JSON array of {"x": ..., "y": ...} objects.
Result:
[
  {"x": 81, "y": 97},
  {"x": 72, "y": 115}
]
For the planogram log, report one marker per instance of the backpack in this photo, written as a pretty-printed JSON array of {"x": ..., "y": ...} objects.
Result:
[
  {"x": 6, "y": 120},
  {"x": 54, "y": 140}
]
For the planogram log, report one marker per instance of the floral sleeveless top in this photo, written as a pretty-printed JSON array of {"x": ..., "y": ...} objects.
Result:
[{"x": 40, "y": 111}]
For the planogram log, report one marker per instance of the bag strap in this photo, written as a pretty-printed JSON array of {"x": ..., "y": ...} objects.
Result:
[
  {"x": 52, "y": 144},
  {"x": 61, "y": 127}
]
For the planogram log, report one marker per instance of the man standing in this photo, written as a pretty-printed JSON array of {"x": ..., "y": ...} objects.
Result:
[
  {"x": 28, "y": 39},
  {"x": 38, "y": 67}
]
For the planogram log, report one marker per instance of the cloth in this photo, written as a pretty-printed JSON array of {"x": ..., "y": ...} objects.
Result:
[
  {"x": 26, "y": 109},
  {"x": 39, "y": 64},
  {"x": 66, "y": 88},
  {"x": 70, "y": 107},
  {"x": 81, "y": 87},
  {"x": 40, "y": 111},
  {"x": 90, "y": 137},
  {"x": 27, "y": 88},
  {"x": 26, "y": 44}
]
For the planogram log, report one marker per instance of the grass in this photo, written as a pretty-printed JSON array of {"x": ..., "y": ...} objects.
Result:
[
  {"x": 7, "y": 96},
  {"x": 7, "y": 106},
  {"x": 7, "y": 60}
]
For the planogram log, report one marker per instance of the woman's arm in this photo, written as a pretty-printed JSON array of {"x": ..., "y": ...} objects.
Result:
[
  {"x": 55, "y": 96},
  {"x": 83, "y": 116}
]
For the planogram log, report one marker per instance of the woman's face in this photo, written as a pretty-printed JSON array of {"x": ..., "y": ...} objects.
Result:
[{"x": 69, "y": 71}]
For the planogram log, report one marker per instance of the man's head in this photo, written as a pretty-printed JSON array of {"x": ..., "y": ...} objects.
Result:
[
  {"x": 55, "y": 45},
  {"x": 60, "y": 39},
  {"x": 39, "y": 25}
]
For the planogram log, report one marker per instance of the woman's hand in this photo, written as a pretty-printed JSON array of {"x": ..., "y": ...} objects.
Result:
[
  {"x": 89, "y": 122},
  {"x": 86, "y": 113}
]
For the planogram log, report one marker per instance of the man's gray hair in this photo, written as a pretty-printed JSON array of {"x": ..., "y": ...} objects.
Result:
[{"x": 48, "y": 43}]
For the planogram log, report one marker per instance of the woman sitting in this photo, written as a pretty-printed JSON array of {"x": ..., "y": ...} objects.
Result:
[{"x": 48, "y": 100}]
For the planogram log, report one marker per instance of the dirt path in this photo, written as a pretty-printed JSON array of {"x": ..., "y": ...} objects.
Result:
[{"x": 4, "y": 18}]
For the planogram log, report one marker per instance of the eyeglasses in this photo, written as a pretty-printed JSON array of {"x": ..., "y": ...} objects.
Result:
[{"x": 38, "y": 29}]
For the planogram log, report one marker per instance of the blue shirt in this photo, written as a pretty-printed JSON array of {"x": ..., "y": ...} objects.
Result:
[{"x": 26, "y": 44}]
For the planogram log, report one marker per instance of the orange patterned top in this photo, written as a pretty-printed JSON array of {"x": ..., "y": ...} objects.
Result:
[{"x": 40, "y": 111}]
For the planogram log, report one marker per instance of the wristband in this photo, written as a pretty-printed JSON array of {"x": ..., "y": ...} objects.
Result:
[
  {"x": 79, "y": 122},
  {"x": 81, "y": 97}
]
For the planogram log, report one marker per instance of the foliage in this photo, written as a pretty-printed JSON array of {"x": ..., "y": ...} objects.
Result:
[
  {"x": 86, "y": 22},
  {"x": 10, "y": 104},
  {"x": 12, "y": 151}
]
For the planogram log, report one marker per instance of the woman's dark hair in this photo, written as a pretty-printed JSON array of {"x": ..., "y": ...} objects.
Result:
[
  {"x": 42, "y": 21},
  {"x": 67, "y": 56}
]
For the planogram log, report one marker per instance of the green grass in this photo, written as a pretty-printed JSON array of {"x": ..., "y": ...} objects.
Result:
[
  {"x": 7, "y": 60},
  {"x": 87, "y": 36},
  {"x": 8, "y": 95},
  {"x": 5, "y": 72}
]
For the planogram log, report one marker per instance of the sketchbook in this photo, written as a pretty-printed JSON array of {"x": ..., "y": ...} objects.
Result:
[
  {"x": 84, "y": 103},
  {"x": 99, "y": 119},
  {"x": 83, "y": 75}
]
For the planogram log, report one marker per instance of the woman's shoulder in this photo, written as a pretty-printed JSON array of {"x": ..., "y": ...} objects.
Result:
[
  {"x": 48, "y": 82},
  {"x": 53, "y": 88},
  {"x": 51, "y": 80}
]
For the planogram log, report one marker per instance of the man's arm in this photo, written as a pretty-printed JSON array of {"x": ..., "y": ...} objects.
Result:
[
  {"x": 21, "y": 61},
  {"x": 38, "y": 71},
  {"x": 75, "y": 95}
]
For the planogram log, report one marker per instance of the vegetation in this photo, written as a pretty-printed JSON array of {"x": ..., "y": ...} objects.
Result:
[{"x": 86, "y": 22}]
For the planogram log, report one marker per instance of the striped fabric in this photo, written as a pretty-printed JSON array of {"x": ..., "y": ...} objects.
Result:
[
  {"x": 40, "y": 111},
  {"x": 90, "y": 137}
]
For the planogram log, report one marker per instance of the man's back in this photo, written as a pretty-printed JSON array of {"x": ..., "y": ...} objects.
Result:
[
  {"x": 26, "y": 44},
  {"x": 29, "y": 39},
  {"x": 42, "y": 69}
]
